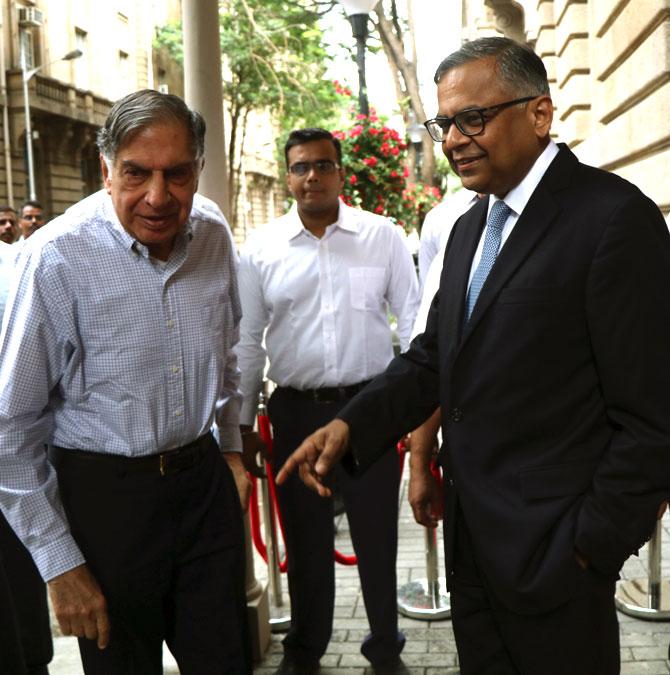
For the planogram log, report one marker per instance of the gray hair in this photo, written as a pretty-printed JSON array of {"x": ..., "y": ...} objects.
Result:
[
  {"x": 517, "y": 65},
  {"x": 145, "y": 108}
]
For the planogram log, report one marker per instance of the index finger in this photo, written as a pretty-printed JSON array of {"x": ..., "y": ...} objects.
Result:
[{"x": 297, "y": 457}]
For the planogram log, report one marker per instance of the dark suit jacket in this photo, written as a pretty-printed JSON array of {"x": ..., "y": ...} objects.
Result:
[{"x": 556, "y": 396}]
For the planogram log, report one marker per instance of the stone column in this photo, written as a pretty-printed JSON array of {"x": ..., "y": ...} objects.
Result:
[{"x": 203, "y": 92}]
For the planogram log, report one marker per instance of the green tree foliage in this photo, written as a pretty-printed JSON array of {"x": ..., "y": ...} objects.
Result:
[{"x": 274, "y": 53}]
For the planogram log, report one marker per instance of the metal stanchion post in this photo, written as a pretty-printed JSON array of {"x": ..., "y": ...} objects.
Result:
[
  {"x": 280, "y": 616},
  {"x": 647, "y": 598},
  {"x": 426, "y": 598}
]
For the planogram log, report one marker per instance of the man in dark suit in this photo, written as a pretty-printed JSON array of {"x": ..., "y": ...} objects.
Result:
[{"x": 547, "y": 349}]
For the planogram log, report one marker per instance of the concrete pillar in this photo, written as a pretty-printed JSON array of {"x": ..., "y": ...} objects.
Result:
[
  {"x": 203, "y": 92},
  {"x": 258, "y": 606}
]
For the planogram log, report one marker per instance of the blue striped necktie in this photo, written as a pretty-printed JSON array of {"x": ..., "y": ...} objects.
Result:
[{"x": 494, "y": 228}]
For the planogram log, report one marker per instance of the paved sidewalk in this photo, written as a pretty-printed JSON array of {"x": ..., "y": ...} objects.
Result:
[{"x": 430, "y": 648}]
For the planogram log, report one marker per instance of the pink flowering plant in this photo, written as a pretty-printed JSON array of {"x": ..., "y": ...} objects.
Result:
[
  {"x": 418, "y": 199},
  {"x": 374, "y": 157}
]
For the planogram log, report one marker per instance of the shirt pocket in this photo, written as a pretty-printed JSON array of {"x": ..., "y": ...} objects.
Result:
[
  {"x": 212, "y": 314},
  {"x": 366, "y": 287}
]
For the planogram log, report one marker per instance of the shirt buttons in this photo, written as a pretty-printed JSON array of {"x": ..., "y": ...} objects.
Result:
[
  {"x": 170, "y": 323},
  {"x": 175, "y": 369},
  {"x": 179, "y": 412},
  {"x": 456, "y": 414}
]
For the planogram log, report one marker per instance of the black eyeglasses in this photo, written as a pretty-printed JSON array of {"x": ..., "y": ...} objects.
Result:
[
  {"x": 4, "y": 221},
  {"x": 469, "y": 122},
  {"x": 322, "y": 166}
]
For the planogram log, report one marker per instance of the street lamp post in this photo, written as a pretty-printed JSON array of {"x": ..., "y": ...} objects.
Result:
[
  {"x": 357, "y": 11},
  {"x": 26, "y": 76}
]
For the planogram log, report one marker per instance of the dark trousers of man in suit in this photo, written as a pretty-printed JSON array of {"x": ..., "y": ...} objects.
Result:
[
  {"x": 580, "y": 637},
  {"x": 371, "y": 503},
  {"x": 25, "y": 644},
  {"x": 168, "y": 552}
]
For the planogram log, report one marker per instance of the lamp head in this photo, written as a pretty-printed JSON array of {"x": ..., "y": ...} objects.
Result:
[
  {"x": 74, "y": 54},
  {"x": 352, "y": 7}
]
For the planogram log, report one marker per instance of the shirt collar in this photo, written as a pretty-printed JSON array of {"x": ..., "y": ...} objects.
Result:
[
  {"x": 518, "y": 197},
  {"x": 347, "y": 219},
  {"x": 111, "y": 219}
]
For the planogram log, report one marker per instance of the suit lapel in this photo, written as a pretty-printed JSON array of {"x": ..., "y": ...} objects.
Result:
[
  {"x": 535, "y": 220},
  {"x": 456, "y": 269}
]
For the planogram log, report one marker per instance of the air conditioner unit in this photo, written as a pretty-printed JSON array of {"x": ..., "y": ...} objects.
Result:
[
  {"x": 30, "y": 17},
  {"x": 163, "y": 88}
]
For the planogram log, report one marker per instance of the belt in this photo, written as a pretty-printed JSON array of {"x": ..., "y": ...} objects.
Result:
[
  {"x": 326, "y": 394},
  {"x": 165, "y": 463}
]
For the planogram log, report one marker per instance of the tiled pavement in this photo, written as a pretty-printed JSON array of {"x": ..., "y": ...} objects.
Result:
[{"x": 430, "y": 648}]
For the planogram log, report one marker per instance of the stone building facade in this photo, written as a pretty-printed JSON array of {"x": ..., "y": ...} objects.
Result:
[
  {"x": 70, "y": 99},
  {"x": 609, "y": 70}
]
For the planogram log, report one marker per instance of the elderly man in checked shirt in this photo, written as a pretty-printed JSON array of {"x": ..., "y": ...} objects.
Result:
[
  {"x": 116, "y": 356},
  {"x": 320, "y": 279}
]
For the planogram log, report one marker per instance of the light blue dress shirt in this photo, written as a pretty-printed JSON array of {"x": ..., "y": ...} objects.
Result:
[{"x": 106, "y": 349}]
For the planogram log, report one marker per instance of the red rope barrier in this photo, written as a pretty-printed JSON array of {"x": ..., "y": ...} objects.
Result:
[
  {"x": 265, "y": 432},
  {"x": 436, "y": 472},
  {"x": 401, "y": 448}
]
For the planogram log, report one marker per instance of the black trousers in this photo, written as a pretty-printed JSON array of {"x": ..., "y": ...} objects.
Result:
[
  {"x": 581, "y": 637},
  {"x": 168, "y": 552},
  {"x": 25, "y": 632},
  {"x": 371, "y": 503}
]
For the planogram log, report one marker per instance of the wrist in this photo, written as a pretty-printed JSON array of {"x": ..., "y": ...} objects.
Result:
[{"x": 420, "y": 461}]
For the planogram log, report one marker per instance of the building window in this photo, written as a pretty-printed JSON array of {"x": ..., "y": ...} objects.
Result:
[
  {"x": 81, "y": 64},
  {"x": 27, "y": 49},
  {"x": 162, "y": 83},
  {"x": 124, "y": 73},
  {"x": 123, "y": 9}
]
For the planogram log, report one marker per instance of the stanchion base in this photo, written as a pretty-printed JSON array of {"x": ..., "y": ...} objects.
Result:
[
  {"x": 416, "y": 600},
  {"x": 632, "y": 598},
  {"x": 280, "y": 619}
]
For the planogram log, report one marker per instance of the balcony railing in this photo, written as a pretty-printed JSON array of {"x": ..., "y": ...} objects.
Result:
[{"x": 50, "y": 96}]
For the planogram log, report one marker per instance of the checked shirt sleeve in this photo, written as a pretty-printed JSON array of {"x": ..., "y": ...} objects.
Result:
[{"x": 38, "y": 344}]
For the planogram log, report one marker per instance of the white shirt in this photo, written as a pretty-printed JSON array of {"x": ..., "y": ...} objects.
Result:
[
  {"x": 431, "y": 285},
  {"x": 324, "y": 302},
  {"x": 437, "y": 226},
  {"x": 105, "y": 349},
  {"x": 516, "y": 199},
  {"x": 7, "y": 256}
]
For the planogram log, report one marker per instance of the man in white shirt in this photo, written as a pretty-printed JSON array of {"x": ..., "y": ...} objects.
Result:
[
  {"x": 9, "y": 228},
  {"x": 437, "y": 226},
  {"x": 318, "y": 283},
  {"x": 32, "y": 218}
]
